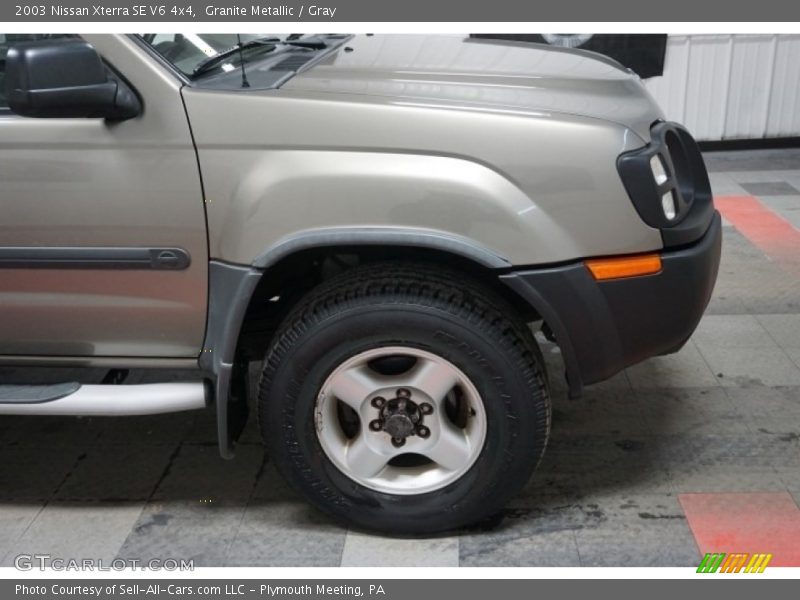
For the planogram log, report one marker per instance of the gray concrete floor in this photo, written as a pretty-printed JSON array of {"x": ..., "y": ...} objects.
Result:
[{"x": 722, "y": 415}]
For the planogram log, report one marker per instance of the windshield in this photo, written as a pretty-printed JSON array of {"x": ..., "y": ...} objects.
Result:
[{"x": 190, "y": 53}]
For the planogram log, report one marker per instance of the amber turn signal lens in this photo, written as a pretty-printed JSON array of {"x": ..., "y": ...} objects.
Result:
[{"x": 624, "y": 266}]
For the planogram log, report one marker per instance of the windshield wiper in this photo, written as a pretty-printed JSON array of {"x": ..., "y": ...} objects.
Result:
[
  {"x": 313, "y": 42},
  {"x": 268, "y": 45}
]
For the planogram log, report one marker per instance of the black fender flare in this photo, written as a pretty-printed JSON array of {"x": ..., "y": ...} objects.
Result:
[{"x": 231, "y": 287}]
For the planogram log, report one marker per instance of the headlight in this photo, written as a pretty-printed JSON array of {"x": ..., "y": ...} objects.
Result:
[
  {"x": 668, "y": 184},
  {"x": 657, "y": 167},
  {"x": 660, "y": 175},
  {"x": 668, "y": 205}
]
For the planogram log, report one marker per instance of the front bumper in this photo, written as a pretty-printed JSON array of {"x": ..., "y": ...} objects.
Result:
[{"x": 604, "y": 326}]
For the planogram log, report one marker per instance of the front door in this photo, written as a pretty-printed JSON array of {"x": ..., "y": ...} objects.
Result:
[{"x": 80, "y": 200}]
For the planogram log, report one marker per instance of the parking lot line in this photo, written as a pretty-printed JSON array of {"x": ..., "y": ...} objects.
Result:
[
  {"x": 773, "y": 235},
  {"x": 755, "y": 522}
]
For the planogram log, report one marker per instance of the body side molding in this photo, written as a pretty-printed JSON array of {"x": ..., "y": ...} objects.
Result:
[{"x": 93, "y": 257}]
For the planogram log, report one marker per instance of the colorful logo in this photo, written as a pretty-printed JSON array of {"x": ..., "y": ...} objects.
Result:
[{"x": 734, "y": 563}]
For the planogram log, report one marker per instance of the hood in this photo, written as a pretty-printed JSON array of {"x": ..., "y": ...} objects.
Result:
[{"x": 463, "y": 73}]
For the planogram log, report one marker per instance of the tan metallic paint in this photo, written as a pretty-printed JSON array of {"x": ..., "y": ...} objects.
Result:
[
  {"x": 87, "y": 182},
  {"x": 508, "y": 146}
]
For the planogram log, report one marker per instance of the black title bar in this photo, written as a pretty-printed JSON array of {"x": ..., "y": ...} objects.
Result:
[{"x": 398, "y": 11}]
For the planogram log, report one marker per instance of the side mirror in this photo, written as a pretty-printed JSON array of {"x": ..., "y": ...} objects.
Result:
[{"x": 65, "y": 78}]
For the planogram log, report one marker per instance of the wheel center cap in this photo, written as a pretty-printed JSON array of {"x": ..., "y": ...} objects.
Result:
[
  {"x": 400, "y": 417},
  {"x": 399, "y": 426}
]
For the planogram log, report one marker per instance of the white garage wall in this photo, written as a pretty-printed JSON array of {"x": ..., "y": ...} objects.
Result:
[{"x": 732, "y": 86}]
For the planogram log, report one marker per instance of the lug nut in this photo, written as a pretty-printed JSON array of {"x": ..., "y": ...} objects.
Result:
[
  {"x": 397, "y": 442},
  {"x": 403, "y": 393},
  {"x": 376, "y": 425},
  {"x": 378, "y": 402},
  {"x": 423, "y": 432},
  {"x": 426, "y": 408}
]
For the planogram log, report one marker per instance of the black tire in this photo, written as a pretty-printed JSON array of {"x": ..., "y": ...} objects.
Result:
[{"x": 431, "y": 309}]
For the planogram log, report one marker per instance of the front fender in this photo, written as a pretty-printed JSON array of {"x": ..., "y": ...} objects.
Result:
[{"x": 263, "y": 202}]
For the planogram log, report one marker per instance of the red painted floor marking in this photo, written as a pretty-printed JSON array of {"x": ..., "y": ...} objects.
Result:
[
  {"x": 772, "y": 234},
  {"x": 749, "y": 522}
]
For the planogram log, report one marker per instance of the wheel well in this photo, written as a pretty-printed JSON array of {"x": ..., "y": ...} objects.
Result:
[{"x": 284, "y": 283}]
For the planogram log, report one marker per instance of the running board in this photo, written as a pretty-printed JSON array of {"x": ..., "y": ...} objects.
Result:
[{"x": 101, "y": 400}]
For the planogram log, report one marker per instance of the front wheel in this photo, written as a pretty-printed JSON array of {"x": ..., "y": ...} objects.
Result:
[{"x": 404, "y": 400}]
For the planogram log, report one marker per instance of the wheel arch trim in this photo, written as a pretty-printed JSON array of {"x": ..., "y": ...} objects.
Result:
[
  {"x": 231, "y": 288},
  {"x": 381, "y": 236}
]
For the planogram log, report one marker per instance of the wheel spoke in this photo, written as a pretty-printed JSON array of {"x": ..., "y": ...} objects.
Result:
[
  {"x": 362, "y": 460},
  {"x": 432, "y": 377},
  {"x": 452, "y": 449},
  {"x": 355, "y": 385}
]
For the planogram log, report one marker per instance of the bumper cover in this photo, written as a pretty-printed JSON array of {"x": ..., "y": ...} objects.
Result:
[{"x": 604, "y": 326}]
